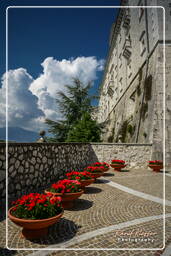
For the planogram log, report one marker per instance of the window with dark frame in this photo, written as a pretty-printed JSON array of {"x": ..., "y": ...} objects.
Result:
[
  {"x": 142, "y": 43},
  {"x": 141, "y": 10}
]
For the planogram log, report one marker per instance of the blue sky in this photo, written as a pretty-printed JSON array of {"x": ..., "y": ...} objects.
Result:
[{"x": 67, "y": 41}]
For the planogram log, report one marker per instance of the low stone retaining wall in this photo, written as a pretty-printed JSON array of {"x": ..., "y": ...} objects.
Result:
[
  {"x": 136, "y": 155},
  {"x": 37, "y": 165}
]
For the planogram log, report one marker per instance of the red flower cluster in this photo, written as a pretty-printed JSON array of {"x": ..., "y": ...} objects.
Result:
[
  {"x": 118, "y": 162},
  {"x": 156, "y": 162},
  {"x": 94, "y": 169},
  {"x": 36, "y": 206},
  {"x": 78, "y": 175},
  {"x": 104, "y": 164},
  {"x": 58, "y": 187},
  {"x": 66, "y": 186}
]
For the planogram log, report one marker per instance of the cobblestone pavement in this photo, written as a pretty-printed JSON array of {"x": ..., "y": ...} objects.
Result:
[
  {"x": 141, "y": 182},
  {"x": 105, "y": 217}
]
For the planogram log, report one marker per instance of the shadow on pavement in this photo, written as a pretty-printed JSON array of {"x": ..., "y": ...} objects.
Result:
[
  {"x": 99, "y": 181},
  {"x": 124, "y": 170},
  {"x": 6, "y": 252},
  {"x": 81, "y": 204},
  {"x": 108, "y": 174},
  {"x": 62, "y": 231},
  {"x": 92, "y": 190}
]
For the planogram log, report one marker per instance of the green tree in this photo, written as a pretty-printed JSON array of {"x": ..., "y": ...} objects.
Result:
[
  {"x": 72, "y": 105},
  {"x": 85, "y": 130}
]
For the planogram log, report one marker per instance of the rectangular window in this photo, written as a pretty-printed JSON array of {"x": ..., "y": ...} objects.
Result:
[
  {"x": 142, "y": 43},
  {"x": 120, "y": 82},
  {"x": 120, "y": 38},
  {"x": 129, "y": 68},
  {"x": 111, "y": 68},
  {"x": 141, "y": 10}
]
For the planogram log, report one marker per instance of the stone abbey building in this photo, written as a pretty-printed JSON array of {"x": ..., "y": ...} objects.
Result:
[{"x": 131, "y": 105}]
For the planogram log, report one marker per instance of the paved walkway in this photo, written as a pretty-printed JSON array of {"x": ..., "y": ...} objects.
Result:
[{"x": 121, "y": 210}]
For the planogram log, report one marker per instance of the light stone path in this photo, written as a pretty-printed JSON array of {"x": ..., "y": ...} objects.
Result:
[
  {"x": 137, "y": 193},
  {"x": 98, "y": 232},
  {"x": 100, "y": 213}
]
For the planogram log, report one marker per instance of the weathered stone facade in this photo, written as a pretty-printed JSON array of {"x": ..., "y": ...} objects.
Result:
[
  {"x": 34, "y": 166},
  {"x": 131, "y": 102}
]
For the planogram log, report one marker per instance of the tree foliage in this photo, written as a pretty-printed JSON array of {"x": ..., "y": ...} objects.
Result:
[
  {"x": 85, "y": 130},
  {"x": 73, "y": 105}
]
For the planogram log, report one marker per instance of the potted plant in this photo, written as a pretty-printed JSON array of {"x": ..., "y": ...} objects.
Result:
[
  {"x": 84, "y": 177},
  {"x": 156, "y": 165},
  {"x": 103, "y": 166},
  {"x": 35, "y": 213},
  {"x": 106, "y": 166},
  {"x": 69, "y": 190},
  {"x": 118, "y": 164},
  {"x": 95, "y": 171}
]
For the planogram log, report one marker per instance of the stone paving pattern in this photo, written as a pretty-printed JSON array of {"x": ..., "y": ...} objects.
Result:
[
  {"x": 142, "y": 184},
  {"x": 102, "y": 206}
]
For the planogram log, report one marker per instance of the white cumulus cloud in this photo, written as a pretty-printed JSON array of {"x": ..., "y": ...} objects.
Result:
[
  {"x": 33, "y": 100},
  {"x": 56, "y": 74},
  {"x": 23, "y": 108}
]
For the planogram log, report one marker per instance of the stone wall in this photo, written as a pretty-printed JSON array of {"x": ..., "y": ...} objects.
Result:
[
  {"x": 136, "y": 155},
  {"x": 34, "y": 166}
]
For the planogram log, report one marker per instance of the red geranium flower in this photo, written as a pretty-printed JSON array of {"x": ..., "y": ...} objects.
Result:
[
  {"x": 157, "y": 162},
  {"x": 66, "y": 186},
  {"x": 117, "y": 161},
  {"x": 37, "y": 206},
  {"x": 82, "y": 175}
]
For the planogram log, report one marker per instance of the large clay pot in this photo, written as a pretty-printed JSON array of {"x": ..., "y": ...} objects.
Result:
[
  {"x": 85, "y": 183},
  {"x": 106, "y": 169},
  {"x": 156, "y": 168},
  {"x": 67, "y": 198},
  {"x": 97, "y": 175},
  {"x": 33, "y": 229},
  {"x": 100, "y": 169},
  {"x": 118, "y": 167}
]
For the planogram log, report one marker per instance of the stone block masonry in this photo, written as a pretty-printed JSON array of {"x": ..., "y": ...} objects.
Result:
[
  {"x": 135, "y": 155},
  {"x": 34, "y": 166}
]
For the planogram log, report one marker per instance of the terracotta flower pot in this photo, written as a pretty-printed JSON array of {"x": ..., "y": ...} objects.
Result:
[
  {"x": 100, "y": 169},
  {"x": 106, "y": 169},
  {"x": 97, "y": 175},
  {"x": 156, "y": 168},
  {"x": 67, "y": 198},
  {"x": 118, "y": 167},
  {"x": 33, "y": 229},
  {"x": 85, "y": 183}
]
